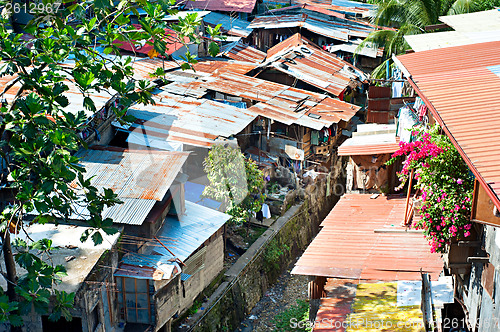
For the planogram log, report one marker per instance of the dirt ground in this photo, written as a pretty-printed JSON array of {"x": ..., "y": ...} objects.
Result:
[{"x": 280, "y": 297}]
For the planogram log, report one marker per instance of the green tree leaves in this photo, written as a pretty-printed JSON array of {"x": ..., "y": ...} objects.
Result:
[
  {"x": 235, "y": 181},
  {"x": 39, "y": 126}
]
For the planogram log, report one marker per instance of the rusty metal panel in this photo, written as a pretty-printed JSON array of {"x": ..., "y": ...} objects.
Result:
[
  {"x": 300, "y": 58},
  {"x": 243, "y": 52},
  {"x": 348, "y": 246},
  {"x": 140, "y": 174},
  {"x": 379, "y": 92},
  {"x": 241, "y": 6},
  {"x": 198, "y": 122},
  {"x": 379, "y": 104}
]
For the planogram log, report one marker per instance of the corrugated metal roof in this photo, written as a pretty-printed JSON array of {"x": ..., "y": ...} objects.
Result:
[
  {"x": 342, "y": 6},
  {"x": 230, "y": 25},
  {"x": 488, "y": 20},
  {"x": 340, "y": 29},
  {"x": 242, "y": 6},
  {"x": 300, "y": 58},
  {"x": 368, "y": 49},
  {"x": 370, "y": 139},
  {"x": 181, "y": 236},
  {"x": 307, "y": 7},
  {"x": 143, "y": 68},
  {"x": 198, "y": 122},
  {"x": 463, "y": 95},
  {"x": 185, "y": 235},
  {"x": 337, "y": 304},
  {"x": 348, "y": 246},
  {"x": 243, "y": 52},
  {"x": 283, "y": 103},
  {"x": 140, "y": 174},
  {"x": 277, "y": 101},
  {"x": 336, "y": 27},
  {"x": 430, "y": 41},
  {"x": 131, "y": 211},
  {"x": 278, "y": 21},
  {"x": 471, "y": 28}
]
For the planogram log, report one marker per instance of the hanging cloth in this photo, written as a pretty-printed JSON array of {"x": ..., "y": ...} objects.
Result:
[
  {"x": 328, "y": 184},
  {"x": 266, "y": 213},
  {"x": 314, "y": 137},
  {"x": 397, "y": 89}
]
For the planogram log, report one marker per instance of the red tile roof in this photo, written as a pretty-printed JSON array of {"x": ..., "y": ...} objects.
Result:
[
  {"x": 243, "y": 6},
  {"x": 461, "y": 86},
  {"x": 351, "y": 245}
]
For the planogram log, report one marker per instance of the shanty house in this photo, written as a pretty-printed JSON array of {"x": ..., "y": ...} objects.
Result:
[
  {"x": 143, "y": 180},
  {"x": 283, "y": 115},
  {"x": 170, "y": 270},
  {"x": 367, "y": 270},
  {"x": 337, "y": 29},
  {"x": 298, "y": 62},
  {"x": 369, "y": 148}
]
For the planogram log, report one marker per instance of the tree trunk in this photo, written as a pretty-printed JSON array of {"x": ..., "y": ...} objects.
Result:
[{"x": 10, "y": 266}]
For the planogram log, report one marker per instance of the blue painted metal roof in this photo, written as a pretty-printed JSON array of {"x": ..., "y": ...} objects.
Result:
[
  {"x": 182, "y": 237},
  {"x": 194, "y": 192},
  {"x": 347, "y": 3},
  {"x": 495, "y": 70}
]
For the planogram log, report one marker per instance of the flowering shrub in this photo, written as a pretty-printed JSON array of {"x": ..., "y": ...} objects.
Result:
[{"x": 444, "y": 182}]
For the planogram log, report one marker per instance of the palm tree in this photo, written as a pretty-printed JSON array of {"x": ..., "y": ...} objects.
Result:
[{"x": 410, "y": 17}]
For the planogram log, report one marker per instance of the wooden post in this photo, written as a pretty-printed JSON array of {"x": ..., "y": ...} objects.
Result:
[{"x": 408, "y": 195}]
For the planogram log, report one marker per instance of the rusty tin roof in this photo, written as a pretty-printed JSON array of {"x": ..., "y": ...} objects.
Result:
[
  {"x": 361, "y": 238},
  {"x": 243, "y": 6},
  {"x": 137, "y": 174},
  {"x": 198, "y": 122},
  {"x": 302, "y": 59},
  {"x": 243, "y": 52}
]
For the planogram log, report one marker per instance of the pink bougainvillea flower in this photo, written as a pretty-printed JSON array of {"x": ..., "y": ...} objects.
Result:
[{"x": 459, "y": 181}]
